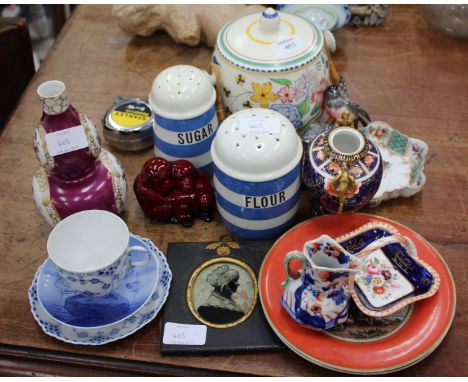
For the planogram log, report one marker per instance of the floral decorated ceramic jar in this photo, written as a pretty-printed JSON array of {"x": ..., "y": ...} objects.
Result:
[
  {"x": 343, "y": 169},
  {"x": 256, "y": 155},
  {"x": 273, "y": 60}
]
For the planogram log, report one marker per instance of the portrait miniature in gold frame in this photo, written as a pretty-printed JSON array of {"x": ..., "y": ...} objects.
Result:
[{"x": 222, "y": 292}]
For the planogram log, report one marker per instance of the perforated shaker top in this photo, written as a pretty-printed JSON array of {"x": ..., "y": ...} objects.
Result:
[
  {"x": 256, "y": 145},
  {"x": 182, "y": 92}
]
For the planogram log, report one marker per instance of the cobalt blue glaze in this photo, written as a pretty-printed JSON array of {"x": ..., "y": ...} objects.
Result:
[
  {"x": 184, "y": 150},
  {"x": 186, "y": 125},
  {"x": 257, "y": 213},
  {"x": 188, "y": 139},
  {"x": 257, "y": 210},
  {"x": 261, "y": 234},
  {"x": 257, "y": 188}
]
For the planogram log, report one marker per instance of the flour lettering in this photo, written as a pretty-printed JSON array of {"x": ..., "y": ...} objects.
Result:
[{"x": 265, "y": 201}]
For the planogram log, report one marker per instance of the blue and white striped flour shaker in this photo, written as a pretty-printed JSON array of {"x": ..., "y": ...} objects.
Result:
[
  {"x": 183, "y": 98},
  {"x": 256, "y": 155}
]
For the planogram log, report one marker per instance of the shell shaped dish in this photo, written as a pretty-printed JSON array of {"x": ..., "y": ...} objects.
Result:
[{"x": 403, "y": 162}]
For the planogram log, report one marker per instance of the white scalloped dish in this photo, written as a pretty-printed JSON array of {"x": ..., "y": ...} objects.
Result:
[{"x": 403, "y": 159}]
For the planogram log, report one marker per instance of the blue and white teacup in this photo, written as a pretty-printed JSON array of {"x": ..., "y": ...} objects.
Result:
[{"x": 90, "y": 249}]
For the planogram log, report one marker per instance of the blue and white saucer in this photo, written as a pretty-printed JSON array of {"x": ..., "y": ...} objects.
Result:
[{"x": 76, "y": 318}]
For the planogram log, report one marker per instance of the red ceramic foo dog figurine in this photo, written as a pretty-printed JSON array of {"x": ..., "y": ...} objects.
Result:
[{"x": 174, "y": 192}]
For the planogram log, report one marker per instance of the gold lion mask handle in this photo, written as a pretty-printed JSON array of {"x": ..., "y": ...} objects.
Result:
[{"x": 343, "y": 183}]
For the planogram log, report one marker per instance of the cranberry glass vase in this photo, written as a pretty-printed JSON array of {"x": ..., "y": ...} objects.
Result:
[{"x": 75, "y": 174}]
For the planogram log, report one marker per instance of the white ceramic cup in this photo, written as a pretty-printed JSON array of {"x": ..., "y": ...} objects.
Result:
[{"x": 90, "y": 248}]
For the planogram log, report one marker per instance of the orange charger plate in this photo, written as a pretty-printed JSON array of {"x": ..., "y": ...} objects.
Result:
[{"x": 422, "y": 333}]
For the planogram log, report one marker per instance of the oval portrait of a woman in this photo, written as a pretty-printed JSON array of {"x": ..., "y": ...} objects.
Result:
[{"x": 222, "y": 292}]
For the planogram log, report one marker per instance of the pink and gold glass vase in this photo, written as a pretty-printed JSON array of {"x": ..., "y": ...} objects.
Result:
[{"x": 75, "y": 174}]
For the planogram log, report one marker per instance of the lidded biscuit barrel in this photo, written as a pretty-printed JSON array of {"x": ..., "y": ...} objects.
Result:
[
  {"x": 183, "y": 99},
  {"x": 256, "y": 155}
]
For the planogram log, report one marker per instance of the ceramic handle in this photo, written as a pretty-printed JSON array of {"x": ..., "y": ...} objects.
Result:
[
  {"x": 138, "y": 248},
  {"x": 330, "y": 40},
  {"x": 211, "y": 77},
  {"x": 291, "y": 256},
  {"x": 382, "y": 242},
  {"x": 213, "y": 70}
]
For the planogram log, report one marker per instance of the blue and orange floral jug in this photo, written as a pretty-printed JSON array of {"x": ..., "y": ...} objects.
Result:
[{"x": 317, "y": 297}]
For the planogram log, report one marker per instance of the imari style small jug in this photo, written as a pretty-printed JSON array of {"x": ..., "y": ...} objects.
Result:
[
  {"x": 75, "y": 174},
  {"x": 317, "y": 297}
]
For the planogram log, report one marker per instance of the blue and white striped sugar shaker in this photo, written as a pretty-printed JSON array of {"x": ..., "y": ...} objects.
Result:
[
  {"x": 256, "y": 155},
  {"x": 183, "y": 98}
]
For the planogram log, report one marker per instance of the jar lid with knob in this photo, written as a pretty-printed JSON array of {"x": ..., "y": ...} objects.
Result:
[{"x": 269, "y": 41}]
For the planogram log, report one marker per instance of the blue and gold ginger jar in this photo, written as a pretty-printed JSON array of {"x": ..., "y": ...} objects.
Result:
[{"x": 342, "y": 169}]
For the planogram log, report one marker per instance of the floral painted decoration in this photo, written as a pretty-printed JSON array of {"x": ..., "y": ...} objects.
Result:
[
  {"x": 223, "y": 246},
  {"x": 240, "y": 79},
  {"x": 227, "y": 92},
  {"x": 380, "y": 282},
  {"x": 329, "y": 250},
  {"x": 297, "y": 95},
  {"x": 263, "y": 94},
  {"x": 247, "y": 104},
  {"x": 290, "y": 111},
  {"x": 287, "y": 94}
]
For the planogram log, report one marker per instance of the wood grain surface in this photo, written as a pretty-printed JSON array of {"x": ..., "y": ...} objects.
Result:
[{"x": 402, "y": 72}]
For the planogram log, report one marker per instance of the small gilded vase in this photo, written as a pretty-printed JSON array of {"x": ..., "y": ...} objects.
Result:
[
  {"x": 342, "y": 169},
  {"x": 75, "y": 174}
]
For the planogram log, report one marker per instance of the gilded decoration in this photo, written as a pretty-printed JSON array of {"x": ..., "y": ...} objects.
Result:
[
  {"x": 222, "y": 292},
  {"x": 117, "y": 180},
  {"x": 41, "y": 149},
  {"x": 92, "y": 137},
  {"x": 47, "y": 202},
  {"x": 55, "y": 105}
]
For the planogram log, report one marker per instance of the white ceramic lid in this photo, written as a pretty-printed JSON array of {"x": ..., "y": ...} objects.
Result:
[
  {"x": 270, "y": 41},
  {"x": 256, "y": 145},
  {"x": 182, "y": 92}
]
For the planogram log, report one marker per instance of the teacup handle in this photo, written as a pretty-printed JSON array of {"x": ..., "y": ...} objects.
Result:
[
  {"x": 140, "y": 263},
  {"x": 383, "y": 241},
  {"x": 291, "y": 256}
]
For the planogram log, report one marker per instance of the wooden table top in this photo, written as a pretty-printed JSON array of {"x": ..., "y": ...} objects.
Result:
[{"x": 401, "y": 72}]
